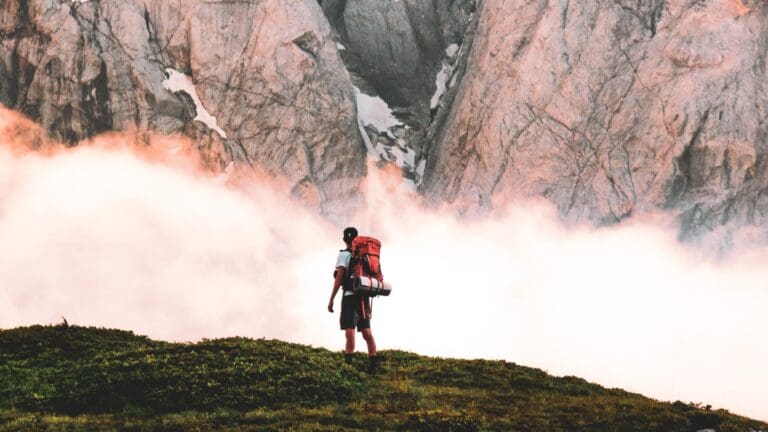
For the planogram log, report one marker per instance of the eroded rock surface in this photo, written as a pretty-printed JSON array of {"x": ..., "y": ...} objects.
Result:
[
  {"x": 268, "y": 71},
  {"x": 613, "y": 108}
]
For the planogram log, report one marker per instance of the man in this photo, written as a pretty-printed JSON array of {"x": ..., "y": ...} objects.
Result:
[{"x": 355, "y": 309}]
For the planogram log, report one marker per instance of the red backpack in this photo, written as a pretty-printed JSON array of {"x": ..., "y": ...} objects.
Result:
[
  {"x": 365, "y": 259},
  {"x": 364, "y": 276}
]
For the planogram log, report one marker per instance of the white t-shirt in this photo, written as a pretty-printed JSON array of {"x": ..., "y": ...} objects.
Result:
[{"x": 343, "y": 261}]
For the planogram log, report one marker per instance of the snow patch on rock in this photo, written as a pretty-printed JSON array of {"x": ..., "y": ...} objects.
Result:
[
  {"x": 452, "y": 50},
  {"x": 179, "y": 82},
  {"x": 372, "y": 111},
  {"x": 441, "y": 84},
  {"x": 445, "y": 77},
  {"x": 420, "y": 168}
]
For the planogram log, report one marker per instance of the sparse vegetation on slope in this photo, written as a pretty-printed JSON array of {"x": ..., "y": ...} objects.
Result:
[{"x": 79, "y": 379}]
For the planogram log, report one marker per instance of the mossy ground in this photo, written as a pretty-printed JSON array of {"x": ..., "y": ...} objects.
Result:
[{"x": 82, "y": 379}]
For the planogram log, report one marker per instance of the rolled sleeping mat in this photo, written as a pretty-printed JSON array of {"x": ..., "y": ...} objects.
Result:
[{"x": 370, "y": 286}]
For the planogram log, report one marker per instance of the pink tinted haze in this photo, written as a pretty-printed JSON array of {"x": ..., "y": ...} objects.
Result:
[{"x": 106, "y": 236}]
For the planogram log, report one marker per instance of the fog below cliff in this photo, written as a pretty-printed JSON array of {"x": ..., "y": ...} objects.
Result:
[{"x": 107, "y": 236}]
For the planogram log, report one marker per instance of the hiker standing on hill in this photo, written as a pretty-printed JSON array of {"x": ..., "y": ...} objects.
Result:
[{"x": 355, "y": 309}]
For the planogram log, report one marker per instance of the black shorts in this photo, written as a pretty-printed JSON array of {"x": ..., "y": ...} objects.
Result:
[{"x": 355, "y": 312}]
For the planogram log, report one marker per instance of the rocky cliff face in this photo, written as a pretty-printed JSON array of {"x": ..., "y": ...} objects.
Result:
[
  {"x": 613, "y": 108},
  {"x": 609, "y": 108},
  {"x": 264, "y": 79}
]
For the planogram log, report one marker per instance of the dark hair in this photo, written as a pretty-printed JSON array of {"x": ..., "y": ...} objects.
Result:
[{"x": 350, "y": 233}]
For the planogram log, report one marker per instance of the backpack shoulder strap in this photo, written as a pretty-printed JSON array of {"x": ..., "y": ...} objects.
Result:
[{"x": 348, "y": 276}]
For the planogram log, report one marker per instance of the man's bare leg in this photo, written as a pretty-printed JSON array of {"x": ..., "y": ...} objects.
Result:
[
  {"x": 350, "y": 336},
  {"x": 368, "y": 336}
]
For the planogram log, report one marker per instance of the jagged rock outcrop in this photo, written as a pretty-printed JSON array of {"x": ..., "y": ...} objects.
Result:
[
  {"x": 613, "y": 108},
  {"x": 268, "y": 71}
]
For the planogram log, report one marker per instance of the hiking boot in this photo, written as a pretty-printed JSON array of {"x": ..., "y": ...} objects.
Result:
[
  {"x": 347, "y": 358},
  {"x": 373, "y": 365}
]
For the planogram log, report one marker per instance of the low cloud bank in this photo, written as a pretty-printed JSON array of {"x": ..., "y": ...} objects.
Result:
[{"x": 104, "y": 235}]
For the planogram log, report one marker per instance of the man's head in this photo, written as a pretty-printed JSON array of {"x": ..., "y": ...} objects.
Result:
[{"x": 349, "y": 234}]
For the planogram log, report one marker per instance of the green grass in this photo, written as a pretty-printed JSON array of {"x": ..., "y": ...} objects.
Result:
[{"x": 82, "y": 379}]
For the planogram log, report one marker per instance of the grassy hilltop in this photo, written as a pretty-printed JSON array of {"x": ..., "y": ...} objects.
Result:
[{"x": 78, "y": 379}]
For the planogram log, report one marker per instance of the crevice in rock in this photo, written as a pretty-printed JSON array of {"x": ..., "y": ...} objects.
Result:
[
  {"x": 729, "y": 210},
  {"x": 726, "y": 182},
  {"x": 683, "y": 181},
  {"x": 435, "y": 127},
  {"x": 656, "y": 16},
  {"x": 100, "y": 110},
  {"x": 311, "y": 173},
  {"x": 308, "y": 43},
  {"x": 24, "y": 26},
  {"x": 63, "y": 127},
  {"x": 9, "y": 91},
  {"x": 153, "y": 39},
  {"x": 564, "y": 15},
  {"x": 20, "y": 73},
  {"x": 148, "y": 25},
  {"x": 648, "y": 16},
  {"x": 334, "y": 12},
  {"x": 242, "y": 150},
  {"x": 26, "y": 74}
]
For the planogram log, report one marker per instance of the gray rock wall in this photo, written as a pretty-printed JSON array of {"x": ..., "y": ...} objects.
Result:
[
  {"x": 268, "y": 71},
  {"x": 608, "y": 108},
  {"x": 613, "y": 108}
]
